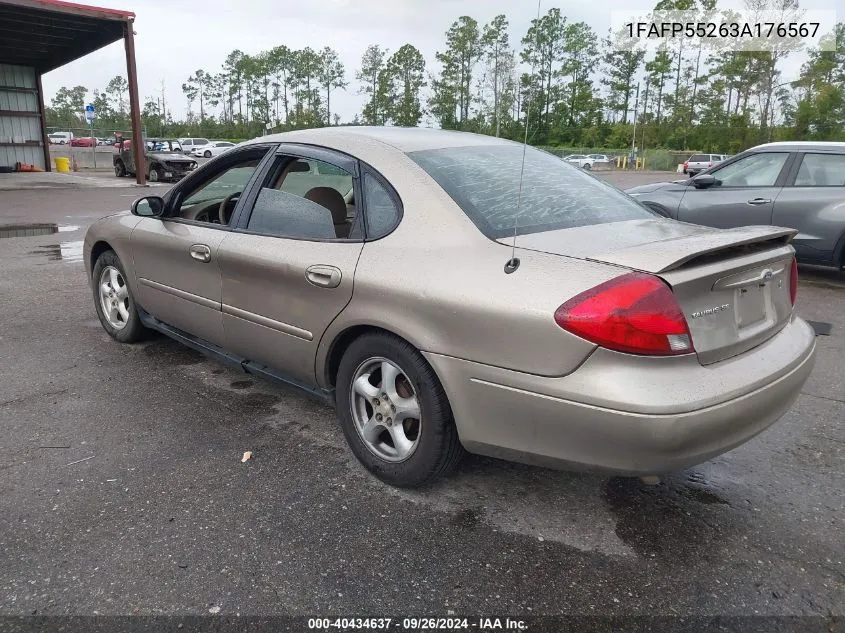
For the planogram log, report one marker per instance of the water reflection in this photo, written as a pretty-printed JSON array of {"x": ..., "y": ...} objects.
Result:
[
  {"x": 66, "y": 251},
  {"x": 33, "y": 230},
  {"x": 27, "y": 230}
]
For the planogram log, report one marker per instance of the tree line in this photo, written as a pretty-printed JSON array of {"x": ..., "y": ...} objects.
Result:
[{"x": 571, "y": 87}]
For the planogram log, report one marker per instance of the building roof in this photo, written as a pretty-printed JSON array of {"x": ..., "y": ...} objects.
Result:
[{"x": 46, "y": 34}]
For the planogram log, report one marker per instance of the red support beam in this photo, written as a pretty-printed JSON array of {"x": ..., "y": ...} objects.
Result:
[
  {"x": 45, "y": 140},
  {"x": 134, "y": 105}
]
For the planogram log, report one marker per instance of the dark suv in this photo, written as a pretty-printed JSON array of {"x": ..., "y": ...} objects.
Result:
[{"x": 800, "y": 185}]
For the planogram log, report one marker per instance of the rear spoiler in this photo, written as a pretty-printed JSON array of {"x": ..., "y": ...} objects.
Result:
[{"x": 663, "y": 256}]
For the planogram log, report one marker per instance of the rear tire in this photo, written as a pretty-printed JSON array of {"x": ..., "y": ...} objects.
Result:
[
  {"x": 119, "y": 169},
  {"x": 113, "y": 300},
  {"x": 587, "y": 166},
  {"x": 407, "y": 451}
]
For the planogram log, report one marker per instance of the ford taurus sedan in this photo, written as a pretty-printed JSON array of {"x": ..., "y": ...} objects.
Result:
[
  {"x": 798, "y": 184},
  {"x": 400, "y": 274}
]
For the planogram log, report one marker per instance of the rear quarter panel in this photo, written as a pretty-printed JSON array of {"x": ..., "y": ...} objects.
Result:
[
  {"x": 438, "y": 282},
  {"x": 818, "y": 213}
]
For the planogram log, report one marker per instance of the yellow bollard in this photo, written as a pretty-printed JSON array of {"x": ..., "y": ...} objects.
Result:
[
  {"x": 62, "y": 164},
  {"x": 624, "y": 162}
]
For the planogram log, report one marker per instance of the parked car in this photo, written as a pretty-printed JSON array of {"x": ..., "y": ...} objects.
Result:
[
  {"x": 599, "y": 158},
  {"x": 376, "y": 269},
  {"x": 581, "y": 160},
  {"x": 164, "y": 160},
  {"x": 60, "y": 138},
  {"x": 697, "y": 163},
  {"x": 189, "y": 144},
  {"x": 214, "y": 148},
  {"x": 797, "y": 184},
  {"x": 83, "y": 141}
]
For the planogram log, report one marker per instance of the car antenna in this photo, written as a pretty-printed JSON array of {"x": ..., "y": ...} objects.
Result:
[{"x": 513, "y": 263}]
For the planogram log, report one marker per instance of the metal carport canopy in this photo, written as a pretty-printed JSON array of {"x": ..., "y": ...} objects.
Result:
[{"x": 47, "y": 34}]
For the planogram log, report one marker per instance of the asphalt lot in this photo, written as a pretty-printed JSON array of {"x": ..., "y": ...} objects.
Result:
[{"x": 122, "y": 489}]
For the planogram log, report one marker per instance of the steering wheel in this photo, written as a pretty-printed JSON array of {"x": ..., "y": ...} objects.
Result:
[{"x": 221, "y": 211}]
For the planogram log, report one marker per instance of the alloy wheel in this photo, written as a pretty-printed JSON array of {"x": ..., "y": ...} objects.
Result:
[
  {"x": 114, "y": 297},
  {"x": 385, "y": 409}
]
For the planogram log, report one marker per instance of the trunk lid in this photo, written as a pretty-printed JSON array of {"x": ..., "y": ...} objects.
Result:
[{"x": 732, "y": 285}]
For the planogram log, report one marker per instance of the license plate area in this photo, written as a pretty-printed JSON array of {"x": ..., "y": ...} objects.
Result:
[{"x": 751, "y": 304}]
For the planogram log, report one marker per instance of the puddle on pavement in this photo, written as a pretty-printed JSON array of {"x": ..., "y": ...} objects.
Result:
[
  {"x": 241, "y": 384},
  {"x": 469, "y": 518},
  {"x": 168, "y": 353},
  {"x": 821, "y": 328},
  {"x": 676, "y": 519},
  {"x": 66, "y": 251}
]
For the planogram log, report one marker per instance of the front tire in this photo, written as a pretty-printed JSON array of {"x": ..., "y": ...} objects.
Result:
[
  {"x": 394, "y": 412},
  {"x": 155, "y": 174},
  {"x": 207, "y": 154},
  {"x": 113, "y": 300},
  {"x": 119, "y": 169}
]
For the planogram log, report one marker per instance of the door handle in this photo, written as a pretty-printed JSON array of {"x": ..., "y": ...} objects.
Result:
[
  {"x": 200, "y": 252},
  {"x": 323, "y": 276},
  {"x": 758, "y": 201}
]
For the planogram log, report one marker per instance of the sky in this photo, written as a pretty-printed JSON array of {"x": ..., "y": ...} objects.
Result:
[{"x": 177, "y": 37}]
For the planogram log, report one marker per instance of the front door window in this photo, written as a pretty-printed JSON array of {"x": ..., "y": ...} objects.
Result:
[
  {"x": 757, "y": 170},
  {"x": 213, "y": 200}
]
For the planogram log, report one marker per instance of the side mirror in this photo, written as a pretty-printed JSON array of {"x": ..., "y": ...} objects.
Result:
[
  {"x": 148, "y": 207},
  {"x": 702, "y": 181}
]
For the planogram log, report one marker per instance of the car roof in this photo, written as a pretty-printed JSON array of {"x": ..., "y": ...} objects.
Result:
[
  {"x": 404, "y": 139},
  {"x": 801, "y": 146}
]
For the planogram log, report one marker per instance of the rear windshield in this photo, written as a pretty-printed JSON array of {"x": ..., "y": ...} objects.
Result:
[
  {"x": 485, "y": 182},
  {"x": 700, "y": 158}
]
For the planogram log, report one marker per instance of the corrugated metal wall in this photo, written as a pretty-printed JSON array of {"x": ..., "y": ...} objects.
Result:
[{"x": 20, "y": 136}]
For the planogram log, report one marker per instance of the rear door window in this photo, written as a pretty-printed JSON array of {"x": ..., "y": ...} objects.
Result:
[
  {"x": 821, "y": 170},
  {"x": 306, "y": 199}
]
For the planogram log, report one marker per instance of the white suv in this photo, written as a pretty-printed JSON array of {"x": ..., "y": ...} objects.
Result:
[
  {"x": 580, "y": 160},
  {"x": 190, "y": 144}
]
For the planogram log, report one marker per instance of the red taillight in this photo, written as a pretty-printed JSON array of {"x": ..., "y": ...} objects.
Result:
[
  {"x": 793, "y": 281},
  {"x": 633, "y": 313}
]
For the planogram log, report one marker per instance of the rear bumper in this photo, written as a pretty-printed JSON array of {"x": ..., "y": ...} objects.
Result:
[{"x": 668, "y": 414}]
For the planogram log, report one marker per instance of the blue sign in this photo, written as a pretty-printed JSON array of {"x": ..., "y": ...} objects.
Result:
[
  {"x": 89, "y": 113},
  {"x": 89, "y": 107}
]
